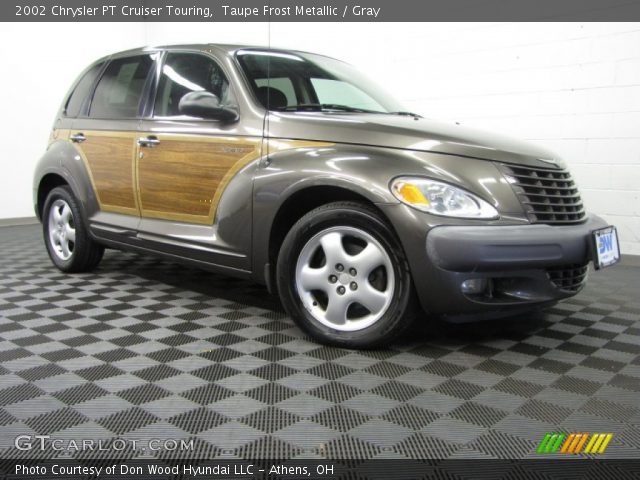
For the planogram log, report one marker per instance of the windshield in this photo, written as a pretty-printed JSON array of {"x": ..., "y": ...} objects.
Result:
[{"x": 288, "y": 81}]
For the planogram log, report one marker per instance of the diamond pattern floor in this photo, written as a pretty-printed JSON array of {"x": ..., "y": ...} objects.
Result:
[{"x": 143, "y": 348}]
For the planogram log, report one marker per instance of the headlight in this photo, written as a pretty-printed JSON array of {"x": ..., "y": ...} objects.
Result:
[{"x": 440, "y": 198}]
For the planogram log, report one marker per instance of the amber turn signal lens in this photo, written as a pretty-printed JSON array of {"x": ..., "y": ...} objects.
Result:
[{"x": 412, "y": 194}]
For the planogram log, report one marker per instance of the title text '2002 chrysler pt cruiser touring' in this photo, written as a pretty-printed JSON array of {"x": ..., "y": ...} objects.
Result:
[{"x": 293, "y": 170}]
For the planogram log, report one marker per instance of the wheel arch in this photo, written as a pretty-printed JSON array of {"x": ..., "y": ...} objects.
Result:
[
  {"x": 61, "y": 165},
  {"x": 47, "y": 183},
  {"x": 295, "y": 206}
]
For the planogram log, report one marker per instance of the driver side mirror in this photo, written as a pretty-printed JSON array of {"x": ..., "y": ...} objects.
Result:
[{"x": 206, "y": 105}]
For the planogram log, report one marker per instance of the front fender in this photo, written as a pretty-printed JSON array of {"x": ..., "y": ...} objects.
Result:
[
  {"x": 366, "y": 171},
  {"x": 363, "y": 170}
]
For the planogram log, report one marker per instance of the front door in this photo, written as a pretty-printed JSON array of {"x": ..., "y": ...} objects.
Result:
[{"x": 187, "y": 165}]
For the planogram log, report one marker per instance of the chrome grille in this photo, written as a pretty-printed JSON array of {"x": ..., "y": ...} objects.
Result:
[
  {"x": 547, "y": 195},
  {"x": 570, "y": 278}
]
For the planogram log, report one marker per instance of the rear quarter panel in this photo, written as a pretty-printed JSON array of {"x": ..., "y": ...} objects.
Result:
[{"x": 63, "y": 159}]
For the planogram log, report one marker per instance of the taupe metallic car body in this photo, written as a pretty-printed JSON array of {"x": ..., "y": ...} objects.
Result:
[{"x": 142, "y": 184}]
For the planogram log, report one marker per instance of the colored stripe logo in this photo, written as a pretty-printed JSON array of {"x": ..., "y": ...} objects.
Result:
[
  {"x": 574, "y": 443},
  {"x": 598, "y": 443}
]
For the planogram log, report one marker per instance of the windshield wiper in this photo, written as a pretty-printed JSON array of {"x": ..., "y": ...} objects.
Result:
[
  {"x": 319, "y": 107},
  {"x": 406, "y": 114}
]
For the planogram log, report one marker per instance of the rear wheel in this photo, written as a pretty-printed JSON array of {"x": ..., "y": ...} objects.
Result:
[
  {"x": 69, "y": 245},
  {"x": 343, "y": 276}
]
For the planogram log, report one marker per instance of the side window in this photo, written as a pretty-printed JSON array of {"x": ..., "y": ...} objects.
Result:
[
  {"x": 119, "y": 90},
  {"x": 81, "y": 91},
  {"x": 283, "y": 84},
  {"x": 183, "y": 73}
]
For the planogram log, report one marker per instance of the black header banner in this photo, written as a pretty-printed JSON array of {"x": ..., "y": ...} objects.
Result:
[{"x": 317, "y": 10}]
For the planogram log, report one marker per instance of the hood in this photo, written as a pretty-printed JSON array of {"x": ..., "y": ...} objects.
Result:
[{"x": 404, "y": 132}]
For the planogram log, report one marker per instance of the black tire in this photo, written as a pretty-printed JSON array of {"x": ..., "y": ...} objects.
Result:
[
  {"x": 355, "y": 217},
  {"x": 85, "y": 253}
]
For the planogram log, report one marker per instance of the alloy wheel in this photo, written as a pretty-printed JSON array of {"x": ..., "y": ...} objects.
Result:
[
  {"x": 62, "y": 231},
  {"x": 345, "y": 278}
]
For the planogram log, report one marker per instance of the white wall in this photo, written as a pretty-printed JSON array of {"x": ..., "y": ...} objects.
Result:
[
  {"x": 572, "y": 87},
  {"x": 39, "y": 62}
]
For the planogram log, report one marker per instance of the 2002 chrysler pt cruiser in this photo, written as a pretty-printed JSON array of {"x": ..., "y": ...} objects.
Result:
[{"x": 293, "y": 170}]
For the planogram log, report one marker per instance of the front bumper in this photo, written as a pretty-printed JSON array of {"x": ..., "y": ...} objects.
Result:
[
  {"x": 514, "y": 267},
  {"x": 480, "y": 248},
  {"x": 520, "y": 267}
]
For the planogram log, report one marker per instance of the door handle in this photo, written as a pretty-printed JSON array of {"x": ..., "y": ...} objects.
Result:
[
  {"x": 150, "y": 141},
  {"x": 78, "y": 138}
]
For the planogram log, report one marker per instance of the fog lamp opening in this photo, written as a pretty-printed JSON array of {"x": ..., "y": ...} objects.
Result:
[{"x": 473, "y": 286}]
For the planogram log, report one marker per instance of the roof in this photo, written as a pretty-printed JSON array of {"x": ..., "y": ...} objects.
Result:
[{"x": 228, "y": 48}]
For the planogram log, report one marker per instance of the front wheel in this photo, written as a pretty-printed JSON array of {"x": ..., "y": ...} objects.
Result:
[
  {"x": 69, "y": 245},
  {"x": 343, "y": 276}
]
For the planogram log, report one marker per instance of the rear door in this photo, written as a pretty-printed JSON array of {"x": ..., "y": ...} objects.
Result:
[{"x": 106, "y": 138}]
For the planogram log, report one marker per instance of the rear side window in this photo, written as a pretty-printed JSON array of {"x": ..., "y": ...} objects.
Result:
[
  {"x": 82, "y": 91},
  {"x": 183, "y": 73},
  {"x": 120, "y": 89}
]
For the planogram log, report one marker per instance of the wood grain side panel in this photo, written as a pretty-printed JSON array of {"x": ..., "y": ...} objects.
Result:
[
  {"x": 109, "y": 158},
  {"x": 179, "y": 179},
  {"x": 58, "y": 134},
  {"x": 185, "y": 176}
]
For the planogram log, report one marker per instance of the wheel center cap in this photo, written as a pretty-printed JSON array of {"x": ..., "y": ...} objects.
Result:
[{"x": 343, "y": 278}]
